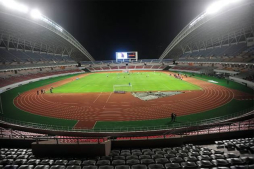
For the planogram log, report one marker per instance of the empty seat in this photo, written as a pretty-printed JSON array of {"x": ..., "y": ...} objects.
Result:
[
  {"x": 191, "y": 159},
  {"x": 61, "y": 162},
  {"x": 204, "y": 164},
  {"x": 144, "y": 156},
  {"x": 6, "y": 161},
  {"x": 115, "y": 151},
  {"x": 135, "y": 150},
  {"x": 88, "y": 162},
  {"x": 206, "y": 153},
  {"x": 218, "y": 156},
  {"x": 204, "y": 157},
  {"x": 194, "y": 154},
  {"x": 240, "y": 167},
  {"x": 120, "y": 157},
  {"x": 103, "y": 162},
  {"x": 73, "y": 167},
  {"x": 118, "y": 162},
  {"x": 172, "y": 152},
  {"x": 160, "y": 152},
  {"x": 106, "y": 167},
  {"x": 232, "y": 155},
  {"x": 26, "y": 167},
  {"x": 106, "y": 158},
  {"x": 136, "y": 153},
  {"x": 189, "y": 165},
  {"x": 182, "y": 155},
  {"x": 146, "y": 161},
  {"x": 169, "y": 156},
  {"x": 161, "y": 160},
  {"x": 42, "y": 167},
  {"x": 11, "y": 167},
  {"x": 167, "y": 149},
  {"x": 74, "y": 162},
  {"x": 172, "y": 165},
  {"x": 220, "y": 162},
  {"x": 125, "y": 154},
  {"x": 22, "y": 157},
  {"x": 131, "y": 157},
  {"x": 57, "y": 167},
  {"x": 11, "y": 156},
  {"x": 146, "y": 150},
  {"x": 157, "y": 156},
  {"x": 132, "y": 162},
  {"x": 90, "y": 167},
  {"x": 149, "y": 153},
  {"x": 19, "y": 162},
  {"x": 139, "y": 166},
  {"x": 248, "y": 160},
  {"x": 155, "y": 166},
  {"x": 122, "y": 167},
  {"x": 156, "y": 149},
  {"x": 2, "y": 157},
  {"x": 46, "y": 162},
  {"x": 33, "y": 162},
  {"x": 176, "y": 160},
  {"x": 125, "y": 151},
  {"x": 217, "y": 152},
  {"x": 236, "y": 161}
]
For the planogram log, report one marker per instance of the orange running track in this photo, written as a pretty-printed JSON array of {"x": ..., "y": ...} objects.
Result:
[{"x": 88, "y": 108}]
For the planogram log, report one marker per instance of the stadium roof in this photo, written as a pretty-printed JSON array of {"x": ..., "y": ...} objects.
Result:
[
  {"x": 36, "y": 32},
  {"x": 224, "y": 23}
]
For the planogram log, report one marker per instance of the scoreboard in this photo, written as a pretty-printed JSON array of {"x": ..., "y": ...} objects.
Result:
[{"x": 122, "y": 56}]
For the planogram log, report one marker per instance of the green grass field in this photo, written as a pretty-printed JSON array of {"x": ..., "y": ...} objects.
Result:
[
  {"x": 11, "y": 112},
  {"x": 104, "y": 82}
]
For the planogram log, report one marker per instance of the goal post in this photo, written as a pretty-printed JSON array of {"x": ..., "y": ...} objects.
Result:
[
  {"x": 122, "y": 88},
  {"x": 126, "y": 71}
]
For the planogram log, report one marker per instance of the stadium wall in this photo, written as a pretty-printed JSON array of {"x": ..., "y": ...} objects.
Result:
[{"x": 242, "y": 81}]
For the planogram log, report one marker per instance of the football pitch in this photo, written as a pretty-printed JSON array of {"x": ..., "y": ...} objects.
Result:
[{"x": 142, "y": 81}]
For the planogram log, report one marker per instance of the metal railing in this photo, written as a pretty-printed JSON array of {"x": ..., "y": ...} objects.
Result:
[{"x": 126, "y": 128}]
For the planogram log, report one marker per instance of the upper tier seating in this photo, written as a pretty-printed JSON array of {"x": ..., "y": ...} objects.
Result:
[
  {"x": 11, "y": 59},
  {"x": 8, "y": 78},
  {"x": 232, "y": 53}
]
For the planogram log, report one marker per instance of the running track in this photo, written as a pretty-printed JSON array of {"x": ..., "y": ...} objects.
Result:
[{"x": 88, "y": 108}]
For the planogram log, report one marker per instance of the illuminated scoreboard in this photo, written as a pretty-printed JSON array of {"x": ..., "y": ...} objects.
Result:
[{"x": 127, "y": 56}]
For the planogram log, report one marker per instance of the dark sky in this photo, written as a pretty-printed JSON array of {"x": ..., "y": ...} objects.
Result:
[{"x": 105, "y": 27}]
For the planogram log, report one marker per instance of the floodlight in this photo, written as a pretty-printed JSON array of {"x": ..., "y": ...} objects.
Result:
[
  {"x": 11, "y": 4},
  {"x": 215, "y": 7},
  {"x": 36, "y": 14}
]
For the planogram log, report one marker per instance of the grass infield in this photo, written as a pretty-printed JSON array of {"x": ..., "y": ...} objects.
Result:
[{"x": 142, "y": 81}]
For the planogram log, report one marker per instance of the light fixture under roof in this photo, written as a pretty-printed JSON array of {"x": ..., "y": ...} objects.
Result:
[{"x": 36, "y": 14}]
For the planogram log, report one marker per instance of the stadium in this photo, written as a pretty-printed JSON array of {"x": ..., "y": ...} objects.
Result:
[{"x": 56, "y": 99}]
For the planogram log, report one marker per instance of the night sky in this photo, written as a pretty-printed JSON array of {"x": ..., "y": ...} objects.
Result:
[{"x": 105, "y": 27}]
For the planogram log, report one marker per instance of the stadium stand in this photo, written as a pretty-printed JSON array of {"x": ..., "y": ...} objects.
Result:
[
  {"x": 222, "y": 154},
  {"x": 11, "y": 77},
  {"x": 17, "y": 65}
]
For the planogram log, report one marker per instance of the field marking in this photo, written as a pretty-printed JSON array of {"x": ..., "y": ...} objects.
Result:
[
  {"x": 109, "y": 97},
  {"x": 97, "y": 97},
  {"x": 75, "y": 124}
]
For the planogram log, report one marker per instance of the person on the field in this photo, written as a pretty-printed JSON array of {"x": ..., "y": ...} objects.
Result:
[
  {"x": 172, "y": 116},
  {"x": 51, "y": 90},
  {"x": 38, "y": 92},
  {"x": 41, "y": 91}
]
